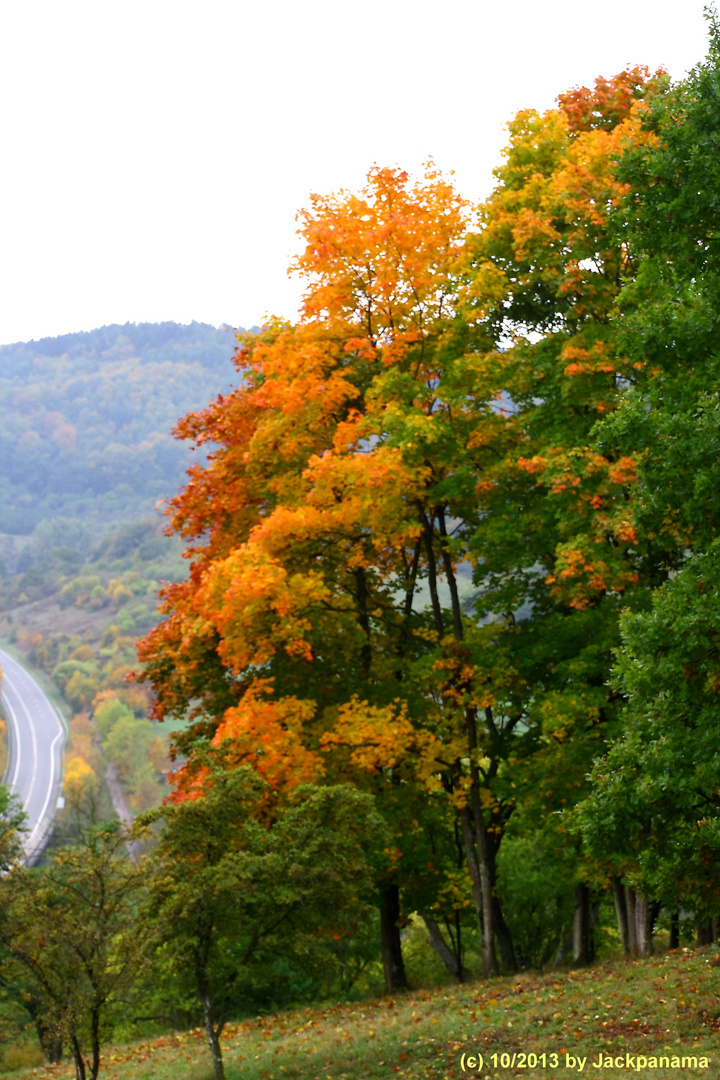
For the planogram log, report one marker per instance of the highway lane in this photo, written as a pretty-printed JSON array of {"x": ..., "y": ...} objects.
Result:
[{"x": 36, "y": 737}]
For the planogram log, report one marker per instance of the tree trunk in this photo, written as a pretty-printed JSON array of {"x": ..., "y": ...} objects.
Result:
[
  {"x": 475, "y": 879},
  {"x": 448, "y": 956},
  {"x": 586, "y": 915},
  {"x": 95, "y": 1041},
  {"x": 457, "y": 944},
  {"x": 641, "y": 915},
  {"x": 363, "y": 618},
  {"x": 487, "y": 938},
  {"x": 643, "y": 922},
  {"x": 564, "y": 948},
  {"x": 50, "y": 1042},
  {"x": 631, "y": 921},
  {"x": 621, "y": 913},
  {"x": 212, "y": 1038},
  {"x": 674, "y": 942},
  {"x": 501, "y": 930},
  {"x": 582, "y": 948},
  {"x": 478, "y": 867},
  {"x": 77, "y": 1055},
  {"x": 705, "y": 932},
  {"x": 503, "y": 937},
  {"x": 393, "y": 965},
  {"x": 654, "y": 909}
]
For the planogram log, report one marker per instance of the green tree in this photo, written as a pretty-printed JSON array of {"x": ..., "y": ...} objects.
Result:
[
  {"x": 236, "y": 881},
  {"x": 69, "y": 928},
  {"x": 654, "y": 803},
  {"x": 13, "y": 826}
]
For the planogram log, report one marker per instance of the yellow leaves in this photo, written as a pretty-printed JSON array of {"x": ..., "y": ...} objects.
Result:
[
  {"x": 80, "y": 777},
  {"x": 486, "y": 287},
  {"x": 426, "y": 633},
  {"x": 368, "y": 491},
  {"x": 530, "y": 231},
  {"x": 546, "y": 222},
  {"x": 384, "y": 737}
]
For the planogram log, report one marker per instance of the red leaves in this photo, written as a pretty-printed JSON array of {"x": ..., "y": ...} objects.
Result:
[{"x": 609, "y": 102}]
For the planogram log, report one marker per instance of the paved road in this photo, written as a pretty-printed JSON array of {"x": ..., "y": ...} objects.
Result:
[{"x": 36, "y": 739}]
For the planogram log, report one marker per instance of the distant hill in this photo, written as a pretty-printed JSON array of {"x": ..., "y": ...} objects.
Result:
[{"x": 87, "y": 419}]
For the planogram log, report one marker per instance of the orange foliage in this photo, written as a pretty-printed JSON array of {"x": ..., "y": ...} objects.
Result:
[
  {"x": 383, "y": 260},
  {"x": 268, "y": 734}
]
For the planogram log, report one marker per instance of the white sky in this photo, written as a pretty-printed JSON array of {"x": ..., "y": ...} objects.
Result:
[{"x": 154, "y": 153}]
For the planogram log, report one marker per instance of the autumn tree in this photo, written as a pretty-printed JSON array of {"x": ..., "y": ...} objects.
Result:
[
  {"x": 314, "y": 512},
  {"x": 556, "y": 551},
  {"x": 431, "y": 412}
]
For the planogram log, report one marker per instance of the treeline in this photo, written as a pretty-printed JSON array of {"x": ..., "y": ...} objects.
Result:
[
  {"x": 525, "y": 394},
  {"x": 88, "y": 419}
]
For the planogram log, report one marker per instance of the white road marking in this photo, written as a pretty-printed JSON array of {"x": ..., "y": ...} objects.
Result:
[
  {"x": 16, "y": 744},
  {"x": 33, "y": 737},
  {"x": 50, "y": 787},
  {"x": 28, "y": 693}
]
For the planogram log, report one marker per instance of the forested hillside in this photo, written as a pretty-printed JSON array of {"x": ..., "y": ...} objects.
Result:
[
  {"x": 87, "y": 419},
  {"x": 87, "y": 451}
]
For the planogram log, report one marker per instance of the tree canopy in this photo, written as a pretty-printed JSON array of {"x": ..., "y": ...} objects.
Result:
[{"x": 413, "y": 540}]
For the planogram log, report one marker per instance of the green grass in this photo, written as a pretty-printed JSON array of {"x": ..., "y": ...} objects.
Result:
[{"x": 669, "y": 1005}]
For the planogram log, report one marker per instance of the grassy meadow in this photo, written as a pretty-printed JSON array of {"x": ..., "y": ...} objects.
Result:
[{"x": 667, "y": 1005}]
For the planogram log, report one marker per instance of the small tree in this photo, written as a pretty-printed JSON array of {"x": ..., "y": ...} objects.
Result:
[
  {"x": 236, "y": 878},
  {"x": 69, "y": 928},
  {"x": 12, "y": 826}
]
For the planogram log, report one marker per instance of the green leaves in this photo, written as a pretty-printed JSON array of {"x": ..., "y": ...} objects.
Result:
[
  {"x": 70, "y": 929},
  {"x": 236, "y": 882},
  {"x": 655, "y": 801}
]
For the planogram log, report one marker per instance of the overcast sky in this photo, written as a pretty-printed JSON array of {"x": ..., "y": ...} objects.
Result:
[{"x": 155, "y": 153}]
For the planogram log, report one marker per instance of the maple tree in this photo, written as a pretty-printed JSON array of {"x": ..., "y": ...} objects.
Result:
[
  {"x": 347, "y": 478},
  {"x": 557, "y": 550},
  {"x": 314, "y": 515}
]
